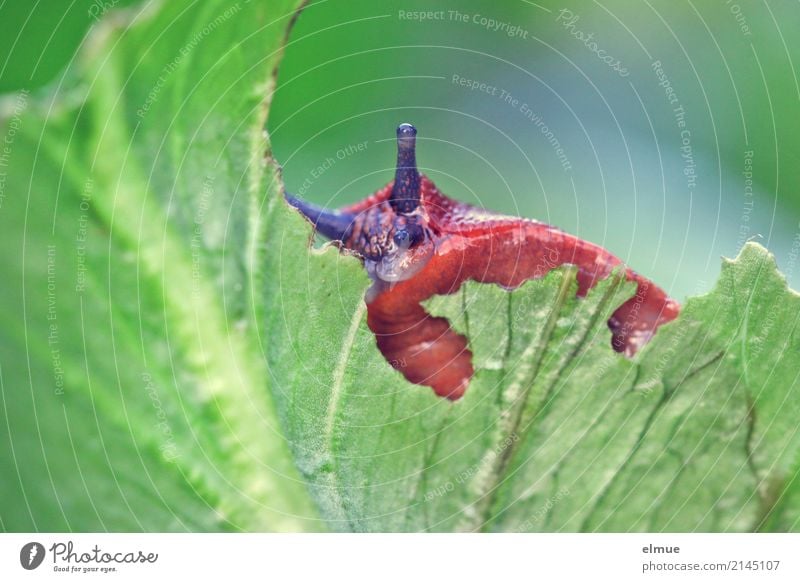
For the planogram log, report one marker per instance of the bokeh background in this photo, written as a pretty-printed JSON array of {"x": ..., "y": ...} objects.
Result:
[{"x": 517, "y": 112}]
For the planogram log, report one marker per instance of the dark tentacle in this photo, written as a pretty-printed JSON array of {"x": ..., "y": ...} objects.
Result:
[{"x": 332, "y": 224}]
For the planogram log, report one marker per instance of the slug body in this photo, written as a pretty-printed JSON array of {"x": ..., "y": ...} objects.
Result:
[{"x": 417, "y": 242}]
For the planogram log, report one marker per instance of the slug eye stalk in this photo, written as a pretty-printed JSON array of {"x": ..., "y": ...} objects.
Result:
[
  {"x": 416, "y": 242},
  {"x": 405, "y": 191}
]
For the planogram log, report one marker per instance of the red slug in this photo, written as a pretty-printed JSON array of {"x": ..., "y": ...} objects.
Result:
[{"x": 416, "y": 242}]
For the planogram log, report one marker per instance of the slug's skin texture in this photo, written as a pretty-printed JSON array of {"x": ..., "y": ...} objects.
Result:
[{"x": 417, "y": 243}]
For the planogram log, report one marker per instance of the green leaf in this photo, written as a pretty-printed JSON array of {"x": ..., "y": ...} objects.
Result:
[
  {"x": 556, "y": 432},
  {"x": 133, "y": 380}
]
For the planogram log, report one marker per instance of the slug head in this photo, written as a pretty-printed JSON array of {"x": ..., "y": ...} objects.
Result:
[
  {"x": 409, "y": 247},
  {"x": 392, "y": 235}
]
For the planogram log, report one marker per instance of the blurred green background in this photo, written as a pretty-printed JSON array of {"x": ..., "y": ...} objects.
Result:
[
  {"x": 555, "y": 133},
  {"x": 354, "y": 70}
]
